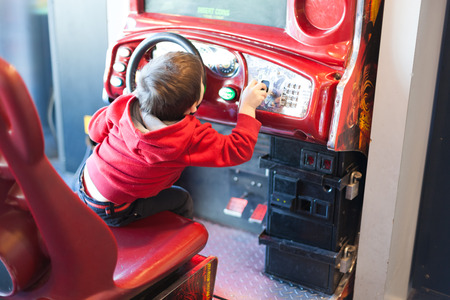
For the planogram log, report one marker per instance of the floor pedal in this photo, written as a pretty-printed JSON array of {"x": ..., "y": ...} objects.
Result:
[
  {"x": 235, "y": 207},
  {"x": 258, "y": 214}
]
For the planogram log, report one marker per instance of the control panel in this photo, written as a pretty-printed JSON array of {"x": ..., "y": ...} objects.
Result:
[
  {"x": 300, "y": 91},
  {"x": 288, "y": 93}
]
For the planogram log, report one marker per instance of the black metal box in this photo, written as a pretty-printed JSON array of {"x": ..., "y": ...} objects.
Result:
[
  {"x": 310, "y": 208},
  {"x": 301, "y": 264},
  {"x": 307, "y": 193}
]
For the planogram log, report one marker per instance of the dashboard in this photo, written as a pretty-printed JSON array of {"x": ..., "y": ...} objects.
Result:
[{"x": 300, "y": 91}]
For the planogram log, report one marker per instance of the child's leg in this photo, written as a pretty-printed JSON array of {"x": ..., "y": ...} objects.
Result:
[{"x": 174, "y": 199}]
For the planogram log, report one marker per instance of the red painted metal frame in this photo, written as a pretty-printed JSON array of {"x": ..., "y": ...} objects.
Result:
[{"x": 319, "y": 54}]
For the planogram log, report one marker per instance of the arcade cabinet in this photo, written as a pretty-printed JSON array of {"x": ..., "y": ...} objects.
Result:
[{"x": 302, "y": 191}]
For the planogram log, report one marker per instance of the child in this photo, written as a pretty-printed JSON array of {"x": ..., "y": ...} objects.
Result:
[{"x": 146, "y": 139}]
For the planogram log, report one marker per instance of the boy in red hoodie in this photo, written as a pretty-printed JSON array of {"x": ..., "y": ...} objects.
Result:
[{"x": 146, "y": 139}]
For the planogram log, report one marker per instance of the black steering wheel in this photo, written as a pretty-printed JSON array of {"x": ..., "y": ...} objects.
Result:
[{"x": 150, "y": 42}]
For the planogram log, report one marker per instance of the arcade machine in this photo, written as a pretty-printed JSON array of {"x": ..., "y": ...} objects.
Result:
[{"x": 302, "y": 191}]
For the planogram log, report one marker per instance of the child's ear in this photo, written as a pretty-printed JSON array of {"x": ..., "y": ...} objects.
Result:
[{"x": 192, "y": 109}]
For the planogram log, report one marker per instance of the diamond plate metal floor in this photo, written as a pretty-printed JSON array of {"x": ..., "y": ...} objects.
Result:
[{"x": 241, "y": 265}]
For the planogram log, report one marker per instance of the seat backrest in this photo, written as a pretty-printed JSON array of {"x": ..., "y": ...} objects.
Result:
[
  {"x": 75, "y": 244},
  {"x": 55, "y": 233}
]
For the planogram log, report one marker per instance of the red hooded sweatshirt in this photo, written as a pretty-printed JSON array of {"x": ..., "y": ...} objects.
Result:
[{"x": 128, "y": 164}]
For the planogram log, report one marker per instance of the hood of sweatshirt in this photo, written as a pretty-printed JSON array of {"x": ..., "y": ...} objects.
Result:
[{"x": 160, "y": 142}]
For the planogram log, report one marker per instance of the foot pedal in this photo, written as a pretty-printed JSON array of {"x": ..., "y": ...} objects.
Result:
[
  {"x": 235, "y": 207},
  {"x": 258, "y": 214}
]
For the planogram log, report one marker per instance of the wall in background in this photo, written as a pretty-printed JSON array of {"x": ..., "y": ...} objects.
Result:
[{"x": 79, "y": 40}]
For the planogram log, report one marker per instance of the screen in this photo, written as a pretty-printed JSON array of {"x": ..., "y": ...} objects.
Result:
[{"x": 259, "y": 12}]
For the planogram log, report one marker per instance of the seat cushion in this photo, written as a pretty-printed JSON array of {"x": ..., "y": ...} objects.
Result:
[{"x": 152, "y": 248}]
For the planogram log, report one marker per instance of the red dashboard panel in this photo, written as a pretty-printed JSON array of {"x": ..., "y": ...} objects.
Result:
[{"x": 316, "y": 45}]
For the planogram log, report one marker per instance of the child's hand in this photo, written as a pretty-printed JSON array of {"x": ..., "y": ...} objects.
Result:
[{"x": 253, "y": 95}]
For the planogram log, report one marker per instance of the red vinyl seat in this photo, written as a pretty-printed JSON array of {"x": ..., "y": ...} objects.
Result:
[{"x": 52, "y": 246}]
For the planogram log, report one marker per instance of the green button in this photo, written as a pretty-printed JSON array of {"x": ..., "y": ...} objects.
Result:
[{"x": 227, "y": 93}]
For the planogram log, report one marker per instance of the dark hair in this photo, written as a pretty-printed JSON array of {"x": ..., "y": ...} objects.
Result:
[{"x": 169, "y": 85}]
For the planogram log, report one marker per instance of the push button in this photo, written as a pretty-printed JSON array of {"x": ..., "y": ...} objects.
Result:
[{"x": 227, "y": 93}]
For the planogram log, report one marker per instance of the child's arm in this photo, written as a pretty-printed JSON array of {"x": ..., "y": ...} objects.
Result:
[
  {"x": 252, "y": 97},
  {"x": 212, "y": 149}
]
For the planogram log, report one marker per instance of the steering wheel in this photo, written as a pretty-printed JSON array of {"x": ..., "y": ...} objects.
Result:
[{"x": 147, "y": 44}]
